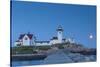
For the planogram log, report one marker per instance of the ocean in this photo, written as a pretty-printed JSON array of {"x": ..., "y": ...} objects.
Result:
[{"x": 57, "y": 58}]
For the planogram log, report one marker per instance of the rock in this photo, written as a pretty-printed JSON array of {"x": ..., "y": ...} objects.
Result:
[{"x": 57, "y": 57}]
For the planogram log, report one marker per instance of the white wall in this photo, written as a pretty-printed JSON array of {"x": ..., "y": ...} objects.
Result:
[
  {"x": 15, "y": 44},
  {"x": 70, "y": 40},
  {"x": 42, "y": 44},
  {"x": 26, "y": 42},
  {"x": 54, "y": 41},
  {"x": 60, "y": 36}
]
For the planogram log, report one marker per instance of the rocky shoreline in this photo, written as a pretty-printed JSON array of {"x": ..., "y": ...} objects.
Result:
[
  {"x": 26, "y": 57},
  {"x": 82, "y": 51},
  {"x": 41, "y": 54},
  {"x": 44, "y": 54}
]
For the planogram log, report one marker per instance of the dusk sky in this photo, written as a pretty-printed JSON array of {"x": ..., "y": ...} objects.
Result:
[{"x": 42, "y": 19}]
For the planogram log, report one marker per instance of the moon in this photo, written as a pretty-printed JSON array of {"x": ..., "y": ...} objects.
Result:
[{"x": 91, "y": 36}]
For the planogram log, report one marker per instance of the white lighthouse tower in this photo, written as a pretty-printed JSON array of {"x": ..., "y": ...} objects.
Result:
[{"x": 60, "y": 34}]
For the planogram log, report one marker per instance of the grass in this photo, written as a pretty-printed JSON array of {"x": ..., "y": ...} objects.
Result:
[
  {"x": 28, "y": 49},
  {"x": 35, "y": 49}
]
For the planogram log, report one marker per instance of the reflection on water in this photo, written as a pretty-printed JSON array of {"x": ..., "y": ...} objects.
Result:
[
  {"x": 56, "y": 58},
  {"x": 26, "y": 63},
  {"x": 53, "y": 61}
]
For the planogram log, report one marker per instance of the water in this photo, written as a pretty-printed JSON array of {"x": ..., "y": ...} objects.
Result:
[
  {"x": 56, "y": 58},
  {"x": 26, "y": 63}
]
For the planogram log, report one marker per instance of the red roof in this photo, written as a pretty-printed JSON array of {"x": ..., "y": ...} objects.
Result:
[{"x": 29, "y": 35}]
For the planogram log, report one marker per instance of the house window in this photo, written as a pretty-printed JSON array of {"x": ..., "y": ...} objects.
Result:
[
  {"x": 26, "y": 38},
  {"x": 60, "y": 32}
]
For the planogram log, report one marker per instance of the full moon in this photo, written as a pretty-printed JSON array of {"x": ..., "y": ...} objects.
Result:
[{"x": 91, "y": 36}]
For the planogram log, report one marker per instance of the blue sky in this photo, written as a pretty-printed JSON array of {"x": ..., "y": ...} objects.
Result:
[{"x": 42, "y": 19}]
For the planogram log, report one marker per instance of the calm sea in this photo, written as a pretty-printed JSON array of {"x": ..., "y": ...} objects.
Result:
[
  {"x": 26, "y": 63},
  {"x": 55, "y": 61}
]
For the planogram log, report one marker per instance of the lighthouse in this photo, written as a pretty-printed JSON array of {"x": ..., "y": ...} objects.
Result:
[{"x": 59, "y": 33}]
